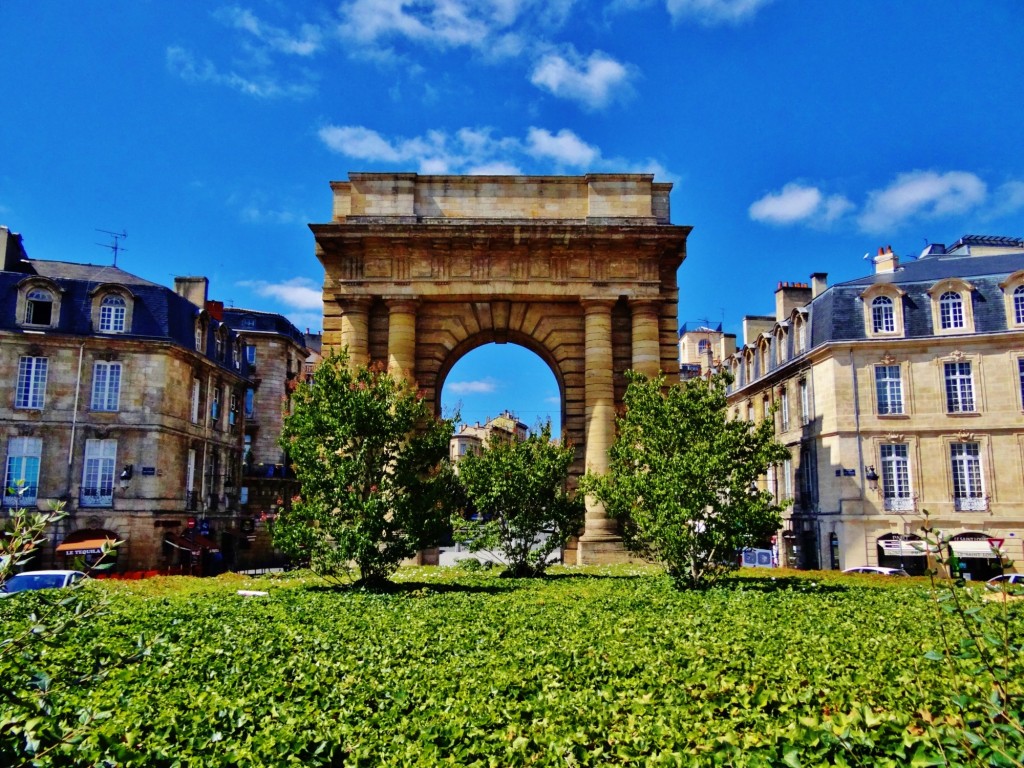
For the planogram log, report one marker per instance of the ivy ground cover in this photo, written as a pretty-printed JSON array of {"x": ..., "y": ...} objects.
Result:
[{"x": 586, "y": 667}]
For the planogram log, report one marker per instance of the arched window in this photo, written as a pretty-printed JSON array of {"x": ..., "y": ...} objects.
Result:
[
  {"x": 200, "y": 336},
  {"x": 883, "y": 318},
  {"x": 39, "y": 307},
  {"x": 704, "y": 346},
  {"x": 951, "y": 310},
  {"x": 1018, "y": 305},
  {"x": 112, "y": 314}
]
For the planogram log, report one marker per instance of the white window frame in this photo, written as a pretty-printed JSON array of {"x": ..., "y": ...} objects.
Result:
[
  {"x": 24, "y": 456},
  {"x": 805, "y": 402},
  {"x": 196, "y": 398},
  {"x": 113, "y": 311},
  {"x": 883, "y": 315},
  {"x": 896, "y": 477},
  {"x": 889, "y": 390},
  {"x": 98, "y": 470},
  {"x": 787, "y": 479},
  {"x": 968, "y": 480},
  {"x": 250, "y": 354},
  {"x": 40, "y": 296},
  {"x": 106, "y": 386},
  {"x": 951, "y": 311},
  {"x": 784, "y": 409},
  {"x": 1018, "y": 305},
  {"x": 959, "y": 387},
  {"x": 30, "y": 392}
]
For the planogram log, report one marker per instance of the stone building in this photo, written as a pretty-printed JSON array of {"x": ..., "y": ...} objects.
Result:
[
  {"x": 123, "y": 402},
  {"x": 702, "y": 349},
  {"x": 472, "y": 438},
  {"x": 898, "y": 392}
]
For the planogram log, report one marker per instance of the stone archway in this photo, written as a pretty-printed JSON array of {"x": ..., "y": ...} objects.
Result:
[{"x": 579, "y": 269}]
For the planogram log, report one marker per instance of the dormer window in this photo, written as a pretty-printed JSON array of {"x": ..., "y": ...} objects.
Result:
[
  {"x": 883, "y": 317},
  {"x": 113, "y": 310},
  {"x": 39, "y": 307},
  {"x": 219, "y": 345},
  {"x": 1013, "y": 297},
  {"x": 248, "y": 321},
  {"x": 200, "y": 336},
  {"x": 1018, "y": 305},
  {"x": 951, "y": 306},
  {"x": 883, "y": 310}
]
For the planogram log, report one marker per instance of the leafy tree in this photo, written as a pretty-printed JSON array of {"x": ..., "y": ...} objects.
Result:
[
  {"x": 683, "y": 478},
  {"x": 518, "y": 490},
  {"x": 372, "y": 462}
]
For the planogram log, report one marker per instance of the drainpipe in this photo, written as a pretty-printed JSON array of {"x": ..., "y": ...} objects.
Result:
[{"x": 860, "y": 446}]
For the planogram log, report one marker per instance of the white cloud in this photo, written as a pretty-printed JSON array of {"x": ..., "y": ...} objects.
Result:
[
  {"x": 714, "y": 12},
  {"x": 469, "y": 150},
  {"x": 436, "y": 23},
  {"x": 481, "y": 387},
  {"x": 1009, "y": 199},
  {"x": 565, "y": 147},
  {"x": 200, "y": 70},
  {"x": 593, "y": 82},
  {"x": 299, "y": 292},
  {"x": 796, "y": 203},
  {"x": 257, "y": 215},
  {"x": 307, "y": 41},
  {"x": 307, "y": 321},
  {"x": 922, "y": 194}
]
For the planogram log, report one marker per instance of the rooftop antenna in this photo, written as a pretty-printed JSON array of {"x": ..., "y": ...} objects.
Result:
[{"x": 116, "y": 246}]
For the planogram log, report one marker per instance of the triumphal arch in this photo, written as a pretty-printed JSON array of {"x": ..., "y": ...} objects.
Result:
[{"x": 419, "y": 270}]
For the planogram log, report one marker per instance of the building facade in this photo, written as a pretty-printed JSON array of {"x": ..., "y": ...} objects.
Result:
[
  {"x": 123, "y": 402},
  {"x": 473, "y": 438},
  {"x": 897, "y": 393}
]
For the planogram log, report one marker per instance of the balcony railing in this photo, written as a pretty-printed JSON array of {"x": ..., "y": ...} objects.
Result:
[
  {"x": 899, "y": 504},
  {"x": 96, "y": 497},
  {"x": 971, "y": 503}
]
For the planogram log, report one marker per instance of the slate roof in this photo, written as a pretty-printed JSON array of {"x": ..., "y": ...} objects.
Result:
[
  {"x": 838, "y": 313},
  {"x": 263, "y": 322},
  {"x": 159, "y": 314}
]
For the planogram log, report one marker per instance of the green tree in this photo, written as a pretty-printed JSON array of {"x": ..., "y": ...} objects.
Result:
[
  {"x": 683, "y": 478},
  {"x": 372, "y": 462},
  {"x": 518, "y": 491}
]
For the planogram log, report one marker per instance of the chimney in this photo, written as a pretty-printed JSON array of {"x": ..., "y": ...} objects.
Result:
[
  {"x": 754, "y": 326},
  {"x": 216, "y": 310},
  {"x": 12, "y": 252},
  {"x": 886, "y": 260},
  {"x": 193, "y": 289},
  {"x": 819, "y": 283},
  {"x": 790, "y": 296},
  {"x": 728, "y": 345}
]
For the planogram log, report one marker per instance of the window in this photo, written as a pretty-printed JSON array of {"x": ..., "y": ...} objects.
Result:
[
  {"x": 200, "y": 336},
  {"x": 805, "y": 402},
  {"x": 236, "y": 355},
  {"x": 1020, "y": 374},
  {"x": 750, "y": 412},
  {"x": 218, "y": 345},
  {"x": 951, "y": 310},
  {"x": 21, "y": 480},
  {"x": 250, "y": 403},
  {"x": 1018, "y": 305},
  {"x": 233, "y": 409},
  {"x": 98, "y": 473},
  {"x": 889, "y": 389},
  {"x": 766, "y": 407},
  {"x": 703, "y": 347},
  {"x": 214, "y": 403},
  {"x": 801, "y": 336},
  {"x": 966, "y": 464},
  {"x": 959, "y": 388},
  {"x": 31, "y": 390},
  {"x": 39, "y": 307},
  {"x": 896, "y": 477},
  {"x": 196, "y": 391},
  {"x": 248, "y": 321},
  {"x": 106, "y": 386},
  {"x": 784, "y": 408},
  {"x": 883, "y": 317},
  {"x": 250, "y": 354},
  {"x": 787, "y": 479},
  {"x": 112, "y": 314}
]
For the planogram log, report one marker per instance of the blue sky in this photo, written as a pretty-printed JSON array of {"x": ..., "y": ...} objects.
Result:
[{"x": 799, "y": 135}]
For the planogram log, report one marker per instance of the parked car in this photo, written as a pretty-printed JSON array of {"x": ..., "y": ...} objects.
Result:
[
  {"x": 29, "y": 580},
  {"x": 1008, "y": 579},
  {"x": 877, "y": 570}
]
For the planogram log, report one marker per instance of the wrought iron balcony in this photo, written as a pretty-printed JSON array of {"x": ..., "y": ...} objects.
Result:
[{"x": 96, "y": 497}]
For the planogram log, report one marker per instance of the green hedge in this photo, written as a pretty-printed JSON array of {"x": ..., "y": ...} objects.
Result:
[{"x": 587, "y": 667}]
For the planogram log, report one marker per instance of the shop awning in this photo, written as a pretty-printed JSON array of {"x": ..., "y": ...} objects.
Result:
[
  {"x": 898, "y": 548},
  {"x": 972, "y": 548},
  {"x": 86, "y": 547},
  {"x": 195, "y": 543}
]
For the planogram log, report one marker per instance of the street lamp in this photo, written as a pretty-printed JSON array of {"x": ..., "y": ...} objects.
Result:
[
  {"x": 126, "y": 476},
  {"x": 871, "y": 476}
]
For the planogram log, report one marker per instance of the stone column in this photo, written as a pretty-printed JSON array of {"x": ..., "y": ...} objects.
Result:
[
  {"x": 355, "y": 329},
  {"x": 402, "y": 338},
  {"x": 646, "y": 338},
  {"x": 600, "y": 540}
]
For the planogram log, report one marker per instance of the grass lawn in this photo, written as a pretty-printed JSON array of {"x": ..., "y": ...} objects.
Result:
[{"x": 597, "y": 666}]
